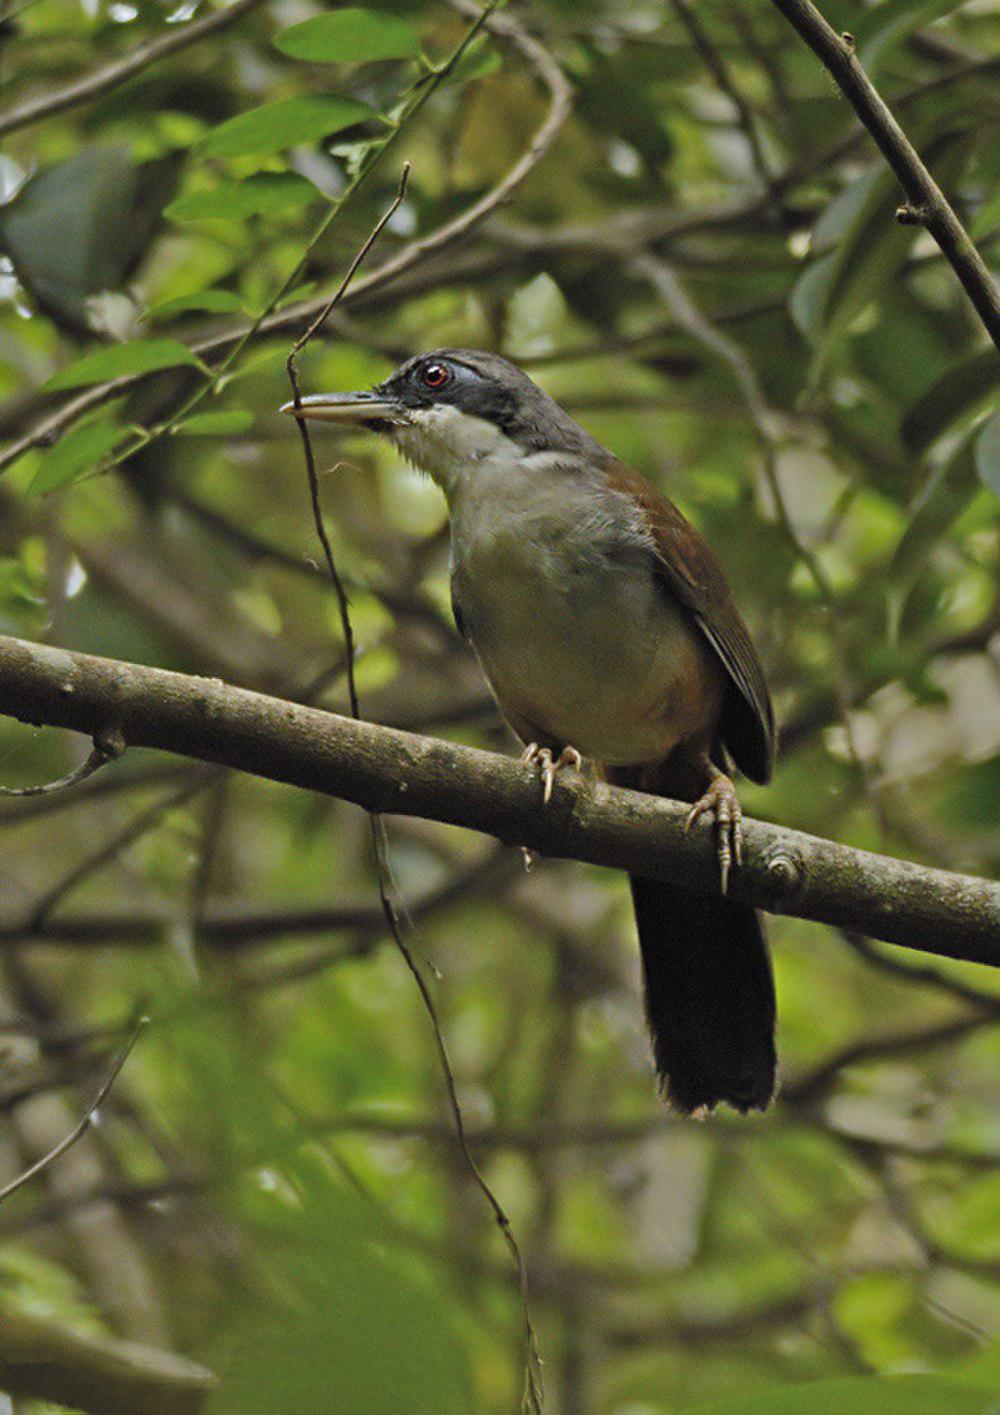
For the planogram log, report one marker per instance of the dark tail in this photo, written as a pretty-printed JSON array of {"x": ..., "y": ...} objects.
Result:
[{"x": 709, "y": 997}]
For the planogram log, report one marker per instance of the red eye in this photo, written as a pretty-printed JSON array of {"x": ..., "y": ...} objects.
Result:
[{"x": 434, "y": 375}]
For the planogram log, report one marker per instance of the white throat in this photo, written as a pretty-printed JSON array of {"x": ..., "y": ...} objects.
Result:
[{"x": 452, "y": 446}]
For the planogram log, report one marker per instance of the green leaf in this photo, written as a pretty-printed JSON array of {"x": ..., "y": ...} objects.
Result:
[
  {"x": 856, "y": 1395},
  {"x": 892, "y": 21},
  {"x": 987, "y": 452},
  {"x": 937, "y": 505},
  {"x": 349, "y": 37},
  {"x": 956, "y": 393},
  {"x": 79, "y": 227},
  {"x": 214, "y": 301},
  {"x": 868, "y": 246},
  {"x": 275, "y": 126},
  {"x": 983, "y": 1369},
  {"x": 140, "y": 356},
  {"x": 987, "y": 218},
  {"x": 339, "y": 1292},
  {"x": 77, "y": 452},
  {"x": 262, "y": 195},
  {"x": 226, "y": 423},
  {"x": 810, "y": 296}
]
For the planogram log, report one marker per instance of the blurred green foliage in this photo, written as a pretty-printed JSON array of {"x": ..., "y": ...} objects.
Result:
[{"x": 275, "y": 1189}]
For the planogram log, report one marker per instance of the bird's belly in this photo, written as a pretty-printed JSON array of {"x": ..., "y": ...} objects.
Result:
[{"x": 593, "y": 656}]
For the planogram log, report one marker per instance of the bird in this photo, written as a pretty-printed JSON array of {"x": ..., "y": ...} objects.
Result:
[{"x": 605, "y": 627}]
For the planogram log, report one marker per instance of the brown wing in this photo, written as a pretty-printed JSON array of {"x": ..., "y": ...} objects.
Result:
[{"x": 694, "y": 576}]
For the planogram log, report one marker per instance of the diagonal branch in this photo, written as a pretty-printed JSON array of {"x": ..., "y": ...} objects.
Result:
[
  {"x": 50, "y": 427},
  {"x": 927, "y": 204},
  {"x": 109, "y": 76},
  {"x": 81, "y": 1127},
  {"x": 383, "y": 769}
]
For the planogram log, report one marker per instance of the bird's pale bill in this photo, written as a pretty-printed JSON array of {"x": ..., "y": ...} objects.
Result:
[{"x": 346, "y": 409}]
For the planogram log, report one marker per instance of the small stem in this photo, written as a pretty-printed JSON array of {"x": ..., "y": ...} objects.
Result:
[{"x": 81, "y": 1128}]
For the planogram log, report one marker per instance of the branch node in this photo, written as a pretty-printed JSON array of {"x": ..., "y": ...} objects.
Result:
[
  {"x": 910, "y": 215},
  {"x": 850, "y": 43},
  {"x": 785, "y": 873},
  {"x": 110, "y": 743}
]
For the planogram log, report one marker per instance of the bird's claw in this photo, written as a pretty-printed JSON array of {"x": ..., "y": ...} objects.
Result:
[
  {"x": 542, "y": 758},
  {"x": 721, "y": 799}
]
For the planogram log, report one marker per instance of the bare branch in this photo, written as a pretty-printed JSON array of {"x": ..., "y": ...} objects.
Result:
[
  {"x": 924, "y": 197},
  {"x": 136, "y": 828},
  {"x": 108, "y": 749},
  {"x": 384, "y": 769},
  {"x": 81, "y": 1128},
  {"x": 230, "y": 928},
  {"x": 808, "y": 1090},
  {"x": 716, "y": 66},
  {"x": 109, "y": 76}
]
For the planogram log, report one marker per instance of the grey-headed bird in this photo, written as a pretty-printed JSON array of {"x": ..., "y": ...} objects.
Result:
[{"x": 606, "y": 629}]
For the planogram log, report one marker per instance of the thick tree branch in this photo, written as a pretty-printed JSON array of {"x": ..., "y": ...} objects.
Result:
[
  {"x": 390, "y": 771},
  {"x": 927, "y": 204}
]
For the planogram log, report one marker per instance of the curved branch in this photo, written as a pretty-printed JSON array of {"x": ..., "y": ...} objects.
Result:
[
  {"x": 109, "y": 76},
  {"x": 390, "y": 771},
  {"x": 93, "y": 763},
  {"x": 927, "y": 203}
]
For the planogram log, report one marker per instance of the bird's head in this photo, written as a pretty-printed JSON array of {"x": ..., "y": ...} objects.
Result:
[{"x": 454, "y": 410}]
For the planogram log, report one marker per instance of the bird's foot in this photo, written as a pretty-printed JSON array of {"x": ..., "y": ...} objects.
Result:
[
  {"x": 542, "y": 758},
  {"x": 721, "y": 799}
]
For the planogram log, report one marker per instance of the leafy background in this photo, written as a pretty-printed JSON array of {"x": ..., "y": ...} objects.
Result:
[{"x": 274, "y": 1189}]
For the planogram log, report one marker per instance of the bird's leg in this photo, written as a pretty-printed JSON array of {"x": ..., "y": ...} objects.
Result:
[
  {"x": 721, "y": 799},
  {"x": 542, "y": 758}
]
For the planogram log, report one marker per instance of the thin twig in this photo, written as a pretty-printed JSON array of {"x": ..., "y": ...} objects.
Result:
[
  {"x": 83, "y": 1125},
  {"x": 155, "y": 774},
  {"x": 714, "y": 63},
  {"x": 108, "y": 748},
  {"x": 926, "y": 203},
  {"x": 93, "y": 763},
  {"x": 533, "y": 1397},
  {"x": 813, "y": 1087},
  {"x": 923, "y": 975},
  {"x": 292, "y": 368},
  {"x": 292, "y": 362},
  {"x": 128, "y": 835}
]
